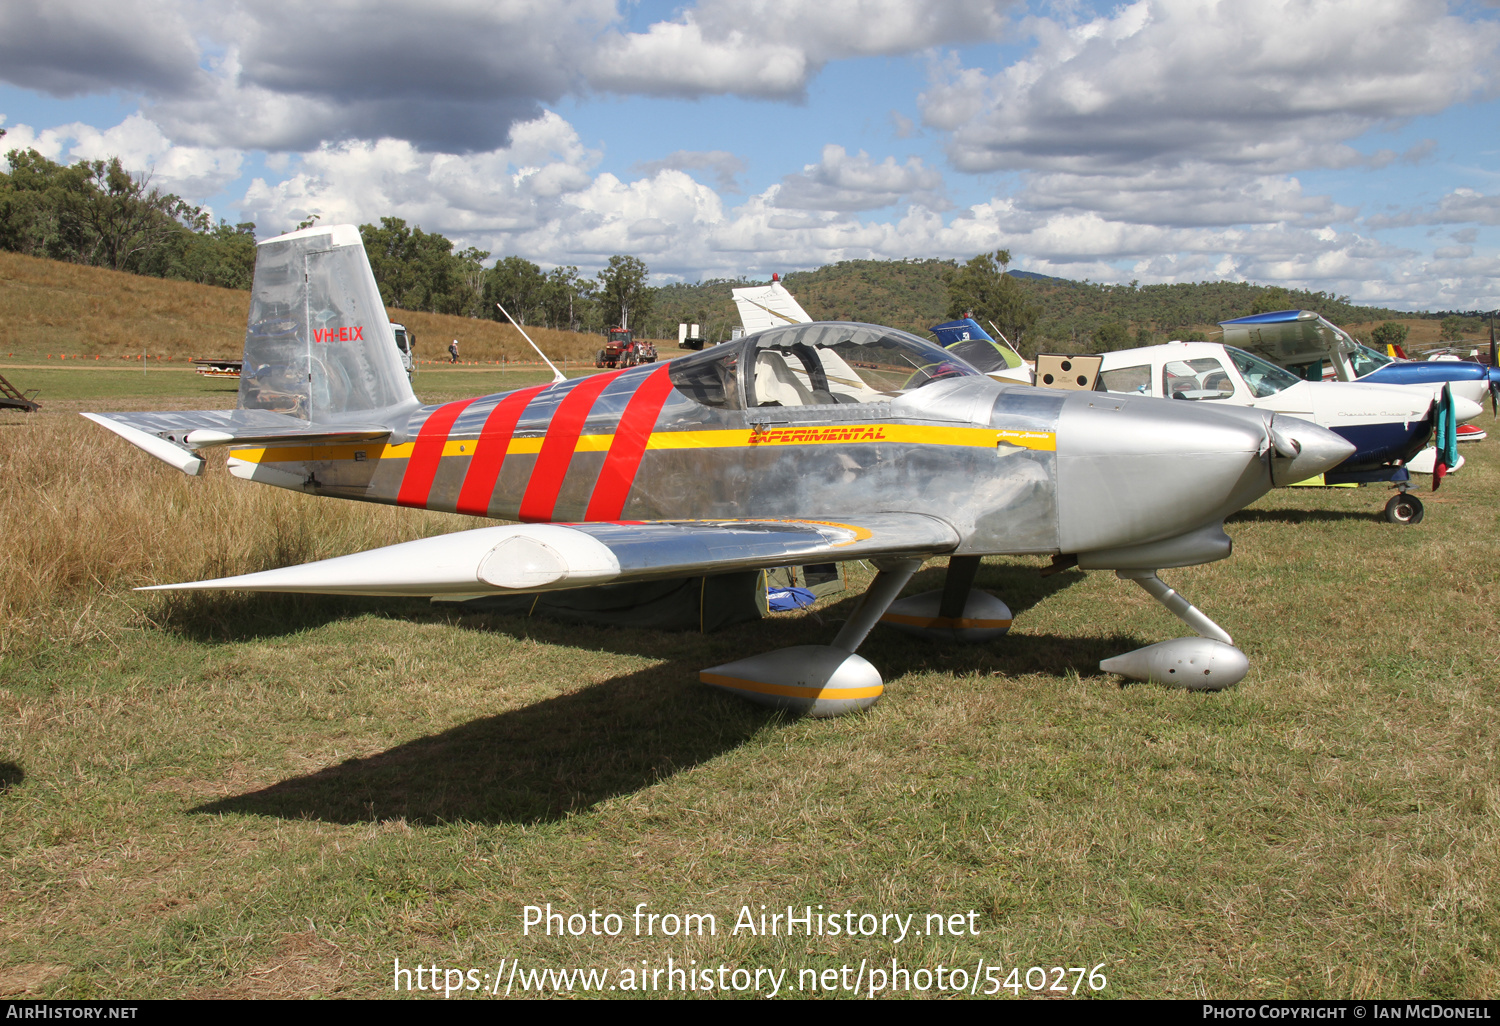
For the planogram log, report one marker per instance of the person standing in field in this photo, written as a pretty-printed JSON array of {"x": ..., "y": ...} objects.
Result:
[{"x": 453, "y": 351}]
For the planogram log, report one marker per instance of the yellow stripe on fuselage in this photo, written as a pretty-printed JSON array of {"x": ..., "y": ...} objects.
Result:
[{"x": 842, "y": 434}]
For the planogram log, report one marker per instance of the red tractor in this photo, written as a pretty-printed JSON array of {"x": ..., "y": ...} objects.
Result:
[{"x": 622, "y": 349}]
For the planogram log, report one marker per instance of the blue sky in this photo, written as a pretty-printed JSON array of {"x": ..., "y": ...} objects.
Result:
[{"x": 1338, "y": 145}]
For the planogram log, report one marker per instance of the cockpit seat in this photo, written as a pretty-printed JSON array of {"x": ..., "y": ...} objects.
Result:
[{"x": 776, "y": 385}]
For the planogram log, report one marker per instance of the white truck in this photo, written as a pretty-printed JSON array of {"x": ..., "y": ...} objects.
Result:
[{"x": 406, "y": 341}]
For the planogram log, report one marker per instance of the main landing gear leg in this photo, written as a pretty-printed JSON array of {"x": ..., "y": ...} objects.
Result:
[
  {"x": 820, "y": 680},
  {"x": 956, "y": 613},
  {"x": 1205, "y": 663}
]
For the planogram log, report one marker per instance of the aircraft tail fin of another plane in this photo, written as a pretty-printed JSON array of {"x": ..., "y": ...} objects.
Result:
[
  {"x": 768, "y": 306},
  {"x": 966, "y": 339},
  {"x": 318, "y": 344}
]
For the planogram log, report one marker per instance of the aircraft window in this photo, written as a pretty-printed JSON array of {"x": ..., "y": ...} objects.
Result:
[
  {"x": 1263, "y": 378},
  {"x": 1365, "y": 360},
  {"x": 1196, "y": 379},
  {"x": 709, "y": 377},
  {"x": 829, "y": 362},
  {"x": 1127, "y": 379}
]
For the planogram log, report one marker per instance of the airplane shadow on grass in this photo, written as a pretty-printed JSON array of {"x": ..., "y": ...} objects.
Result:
[
  {"x": 1300, "y": 516},
  {"x": 538, "y": 763},
  {"x": 566, "y": 754}
]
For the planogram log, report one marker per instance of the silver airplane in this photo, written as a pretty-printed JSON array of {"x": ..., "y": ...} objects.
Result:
[{"x": 813, "y": 442}]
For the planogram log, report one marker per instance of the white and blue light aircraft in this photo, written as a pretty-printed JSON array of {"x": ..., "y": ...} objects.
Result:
[
  {"x": 1314, "y": 347},
  {"x": 1387, "y": 425}
]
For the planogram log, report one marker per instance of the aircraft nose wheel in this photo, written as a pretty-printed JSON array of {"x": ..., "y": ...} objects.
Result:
[{"x": 1404, "y": 509}]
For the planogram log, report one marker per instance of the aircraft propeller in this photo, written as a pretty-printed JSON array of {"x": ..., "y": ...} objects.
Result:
[{"x": 1494, "y": 363}]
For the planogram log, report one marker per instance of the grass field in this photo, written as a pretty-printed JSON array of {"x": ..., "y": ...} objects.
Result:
[{"x": 274, "y": 796}]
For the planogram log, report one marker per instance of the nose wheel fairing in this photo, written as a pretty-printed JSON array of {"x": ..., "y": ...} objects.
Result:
[{"x": 1208, "y": 662}]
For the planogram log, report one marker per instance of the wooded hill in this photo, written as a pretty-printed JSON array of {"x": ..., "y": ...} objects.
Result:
[{"x": 911, "y": 294}]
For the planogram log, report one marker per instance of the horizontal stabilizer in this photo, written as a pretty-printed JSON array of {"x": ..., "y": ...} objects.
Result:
[
  {"x": 548, "y": 557},
  {"x": 204, "y": 438},
  {"x": 170, "y": 451},
  {"x": 174, "y": 437}
]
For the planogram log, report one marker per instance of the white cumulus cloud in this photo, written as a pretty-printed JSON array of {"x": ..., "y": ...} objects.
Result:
[
  {"x": 772, "y": 48},
  {"x": 844, "y": 183},
  {"x": 1273, "y": 86}
]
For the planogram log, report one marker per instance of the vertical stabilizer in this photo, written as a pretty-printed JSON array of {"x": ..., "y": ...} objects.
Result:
[{"x": 318, "y": 345}]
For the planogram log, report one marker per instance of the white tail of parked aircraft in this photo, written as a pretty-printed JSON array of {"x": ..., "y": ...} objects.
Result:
[{"x": 768, "y": 306}]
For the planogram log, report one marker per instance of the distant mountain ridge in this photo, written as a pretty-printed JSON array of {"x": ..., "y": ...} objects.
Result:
[{"x": 1033, "y": 276}]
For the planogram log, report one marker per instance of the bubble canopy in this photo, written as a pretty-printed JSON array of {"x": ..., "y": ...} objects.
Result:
[{"x": 817, "y": 364}]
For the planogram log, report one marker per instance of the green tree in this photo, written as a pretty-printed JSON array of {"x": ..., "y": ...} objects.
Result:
[
  {"x": 469, "y": 275},
  {"x": 1111, "y": 335},
  {"x": 96, "y": 212},
  {"x": 415, "y": 270},
  {"x": 622, "y": 287},
  {"x": 222, "y": 255},
  {"x": 390, "y": 250},
  {"x": 1452, "y": 328},
  {"x": 565, "y": 297},
  {"x": 123, "y": 214},
  {"x": 1389, "y": 334},
  {"x": 982, "y": 288},
  {"x": 520, "y": 285},
  {"x": 35, "y": 198},
  {"x": 1271, "y": 300}
]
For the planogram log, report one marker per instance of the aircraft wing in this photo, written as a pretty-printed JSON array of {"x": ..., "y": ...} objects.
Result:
[
  {"x": 1289, "y": 337},
  {"x": 552, "y": 557}
]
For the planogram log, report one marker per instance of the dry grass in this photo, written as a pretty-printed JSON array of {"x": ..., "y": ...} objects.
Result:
[
  {"x": 1420, "y": 330},
  {"x": 254, "y": 796},
  {"x": 85, "y": 519},
  {"x": 50, "y": 307}
]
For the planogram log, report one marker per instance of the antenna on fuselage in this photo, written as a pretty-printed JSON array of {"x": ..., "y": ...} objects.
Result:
[
  {"x": 557, "y": 375},
  {"x": 1000, "y": 333}
]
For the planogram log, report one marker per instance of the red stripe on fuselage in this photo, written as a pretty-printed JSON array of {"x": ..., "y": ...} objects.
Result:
[
  {"x": 426, "y": 452},
  {"x": 557, "y": 448},
  {"x": 628, "y": 446},
  {"x": 489, "y": 453}
]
